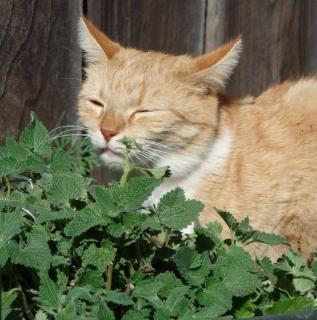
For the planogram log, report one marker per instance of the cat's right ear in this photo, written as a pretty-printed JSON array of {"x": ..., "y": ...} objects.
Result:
[{"x": 95, "y": 43}]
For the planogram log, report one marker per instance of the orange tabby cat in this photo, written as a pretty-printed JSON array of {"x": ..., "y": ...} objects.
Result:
[{"x": 255, "y": 157}]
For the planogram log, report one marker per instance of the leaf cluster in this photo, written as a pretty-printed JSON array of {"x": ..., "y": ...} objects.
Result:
[{"x": 70, "y": 249}]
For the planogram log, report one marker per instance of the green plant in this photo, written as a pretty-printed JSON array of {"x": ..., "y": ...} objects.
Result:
[{"x": 70, "y": 249}]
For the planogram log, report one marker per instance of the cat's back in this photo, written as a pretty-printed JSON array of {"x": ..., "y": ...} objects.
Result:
[{"x": 284, "y": 118}]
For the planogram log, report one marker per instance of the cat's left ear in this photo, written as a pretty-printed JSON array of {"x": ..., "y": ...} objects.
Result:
[
  {"x": 95, "y": 43},
  {"x": 215, "y": 68}
]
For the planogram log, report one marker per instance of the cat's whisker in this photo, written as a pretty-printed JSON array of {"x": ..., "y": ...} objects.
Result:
[
  {"x": 158, "y": 144},
  {"x": 156, "y": 150},
  {"x": 69, "y": 135},
  {"x": 69, "y": 131},
  {"x": 68, "y": 126},
  {"x": 154, "y": 154}
]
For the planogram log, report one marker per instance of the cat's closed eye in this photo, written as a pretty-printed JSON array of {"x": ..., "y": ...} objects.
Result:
[
  {"x": 96, "y": 103},
  {"x": 138, "y": 112}
]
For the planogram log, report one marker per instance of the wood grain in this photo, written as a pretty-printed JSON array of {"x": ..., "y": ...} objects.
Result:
[
  {"x": 279, "y": 39},
  {"x": 40, "y": 66},
  {"x": 174, "y": 26}
]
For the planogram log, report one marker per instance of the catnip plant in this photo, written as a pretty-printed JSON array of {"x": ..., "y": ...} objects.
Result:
[{"x": 71, "y": 249}]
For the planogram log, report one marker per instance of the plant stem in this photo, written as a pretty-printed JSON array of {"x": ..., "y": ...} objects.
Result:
[
  {"x": 109, "y": 276},
  {"x": 26, "y": 306},
  {"x": 167, "y": 237},
  {"x": 8, "y": 187},
  {"x": 126, "y": 169}
]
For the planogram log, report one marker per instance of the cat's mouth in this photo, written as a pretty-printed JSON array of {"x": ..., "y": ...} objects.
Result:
[{"x": 110, "y": 152}]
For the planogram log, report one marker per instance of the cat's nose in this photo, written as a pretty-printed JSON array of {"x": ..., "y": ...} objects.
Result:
[{"x": 108, "y": 134}]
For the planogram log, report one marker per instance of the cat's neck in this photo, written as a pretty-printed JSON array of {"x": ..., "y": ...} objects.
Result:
[{"x": 213, "y": 162}]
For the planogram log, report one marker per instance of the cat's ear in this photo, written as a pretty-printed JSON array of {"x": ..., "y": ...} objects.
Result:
[
  {"x": 95, "y": 43},
  {"x": 215, "y": 68}
]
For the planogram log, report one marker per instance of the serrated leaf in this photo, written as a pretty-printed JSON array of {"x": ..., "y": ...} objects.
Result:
[
  {"x": 35, "y": 137},
  {"x": 83, "y": 221},
  {"x": 99, "y": 257},
  {"x": 174, "y": 299},
  {"x": 60, "y": 161},
  {"x": 16, "y": 150},
  {"x": 176, "y": 212},
  {"x": 64, "y": 214},
  {"x": 135, "y": 192},
  {"x": 159, "y": 173},
  {"x": 267, "y": 238},
  {"x": 6, "y": 300},
  {"x": 192, "y": 266},
  {"x": 36, "y": 254},
  {"x": 106, "y": 200},
  {"x": 49, "y": 295},
  {"x": 247, "y": 310},
  {"x": 229, "y": 219},
  {"x": 105, "y": 313},
  {"x": 10, "y": 225},
  {"x": 117, "y": 297},
  {"x": 234, "y": 269},
  {"x": 135, "y": 315},
  {"x": 290, "y": 305},
  {"x": 148, "y": 290},
  {"x": 216, "y": 297},
  {"x": 66, "y": 187}
]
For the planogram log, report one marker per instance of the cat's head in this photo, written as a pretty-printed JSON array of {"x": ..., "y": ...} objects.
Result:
[{"x": 166, "y": 103}]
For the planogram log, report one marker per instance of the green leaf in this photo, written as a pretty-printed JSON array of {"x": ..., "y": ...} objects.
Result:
[
  {"x": 106, "y": 199},
  {"x": 60, "y": 161},
  {"x": 267, "y": 238},
  {"x": 229, "y": 219},
  {"x": 234, "y": 269},
  {"x": 6, "y": 300},
  {"x": 135, "y": 192},
  {"x": 84, "y": 220},
  {"x": 174, "y": 299},
  {"x": 91, "y": 279},
  {"x": 99, "y": 257},
  {"x": 159, "y": 173},
  {"x": 16, "y": 150},
  {"x": 247, "y": 310},
  {"x": 66, "y": 187},
  {"x": 117, "y": 297},
  {"x": 192, "y": 266},
  {"x": 36, "y": 137},
  {"x": 105, "y": 313},
  {"x": 176, "y": 212},
  {"x": 40, "y": 315},
  {"x": 49, "y": 294},
  {"x": 36, "y": 254},
  {"x": 216, "y": 297},
  {"x": 148, "y": 290},
  {"x": 290, "y": 305},
  {"x": 10, "y": 225},
  {"x": 136, "y": 315},
  {"x": 64, "y": 214}
]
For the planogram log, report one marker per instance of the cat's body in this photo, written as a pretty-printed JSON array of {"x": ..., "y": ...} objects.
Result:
[
  {"x": 263, "y": 165},
  {"x": 254, "y": 157}
]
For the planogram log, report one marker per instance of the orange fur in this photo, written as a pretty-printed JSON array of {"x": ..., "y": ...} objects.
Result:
[{"x": 254, "y": 157}]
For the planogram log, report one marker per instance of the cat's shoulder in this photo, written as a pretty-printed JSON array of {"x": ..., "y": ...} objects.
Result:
[{"x": 302, "y": 91}]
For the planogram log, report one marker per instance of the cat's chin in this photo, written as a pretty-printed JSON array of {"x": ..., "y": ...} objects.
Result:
[{"x": 112, "y": 159}]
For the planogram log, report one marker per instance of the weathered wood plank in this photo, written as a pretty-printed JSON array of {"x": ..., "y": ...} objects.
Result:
[
  {"x": 175, "y": 26},
  {"x": 279, "y": 40},
  {"x": 40, "y": 66}
]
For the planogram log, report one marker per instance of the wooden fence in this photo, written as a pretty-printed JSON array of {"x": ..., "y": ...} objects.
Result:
[{"x": 40, "y": 62}]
